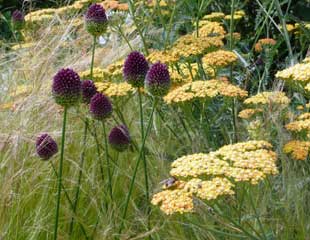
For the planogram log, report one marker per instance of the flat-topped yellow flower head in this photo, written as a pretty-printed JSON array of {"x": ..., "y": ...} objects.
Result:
[
  {"x": 298, "y": 150},
  {"x": 202, "y": 90},
  {"x": 210, "y": 176}
]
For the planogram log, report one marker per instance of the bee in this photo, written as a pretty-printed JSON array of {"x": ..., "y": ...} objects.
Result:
[{"x": 169, "y": 183}]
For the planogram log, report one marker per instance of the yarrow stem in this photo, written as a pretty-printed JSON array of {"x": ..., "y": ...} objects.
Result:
[
  {"x": 108, "y": 159},
  {"x": 137, "y": 165},
  {"x": 60, "y": 171},
  {"x": 77, "y": 192}
]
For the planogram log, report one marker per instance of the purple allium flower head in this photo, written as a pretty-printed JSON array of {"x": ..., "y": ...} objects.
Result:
[
  {"x": 135, "y": 69},
  {"x": 96, "y": 21},
  {"x": 100, "y": 106},
  {"x": 157, "y": 81},
  {"x": 66, "y": 87},
  {"x": 119, "y": 138},
  {"x": 46, "y": 146},
  {"x": 88, "y": 90},
  {"x": 18, "y": 19}
]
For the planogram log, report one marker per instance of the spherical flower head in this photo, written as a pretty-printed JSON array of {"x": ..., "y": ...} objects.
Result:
[
  {"x": 46, "y": 146},
  {"x": 96, "y": 21},
  {"x": 88, "y": 90},
  {"x": 100, "y": 106},
  {"x": 157, "y": 81},
  {"x": 135, "y": 69},
  {"x": 66, "y": 87},
  {"x": 18, "y": 19},
  {"x": 119, "y": 138}
]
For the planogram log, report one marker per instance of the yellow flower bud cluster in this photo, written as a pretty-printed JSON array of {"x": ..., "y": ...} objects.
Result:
[
  {"x": 238, "y": 15},
  {"x": 209, "y": 176},
  {"x": 202, "y": 90},
  {"x": 268, "y": 98},
  {"x": 298, "y": 150}
]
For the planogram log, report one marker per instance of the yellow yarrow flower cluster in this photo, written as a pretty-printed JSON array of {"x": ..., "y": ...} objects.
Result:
[
  {"x": 189, "y": 45},
  {"x": 112, "y": 71},
  {"x": 268, "y": 98},
  {"x": 211, "y": 29},
  {"x": 254, "y": 159},
  {"x": 220, "y": 58},
  {"x": 165, "y": 56},
  {"x": 265, "y": 42},
  {"x": 114, "y": 5},
  {"x": 299, "y": 73},
  {"x": 174, "y": 201},
  {"x": 209, "y": 176},
  {"x": 249, "y": 113},
  {"x": 115, "y": 89},
  {"x": 214, "y": 16},
  {"x": 301, "y": 124},
  {"x": 298, "y": 150},
  {"x": 203, "y": 89}
]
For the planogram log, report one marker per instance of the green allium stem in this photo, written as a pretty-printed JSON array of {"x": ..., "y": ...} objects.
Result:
[
  {"x": 137, "y": 166},
  {"x": 108, "y": 159},
  {"x": 93, "y": 59},
  {"x": 147, "y": 195},
  {"x": 60, "y": 171},
  {"x": 77, "y": 191},
  {"x": 98, "y": 150},
  {"x": 70, "y": 202}
]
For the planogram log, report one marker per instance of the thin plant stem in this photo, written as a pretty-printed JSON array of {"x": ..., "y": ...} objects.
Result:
[
  {"x": 93, "y": 58},
  {"x": 256, "y": 215},
  {"x": 285, "y": 32},
  {"x": 143, "y": 156},
  {"x": 60, "y": 171},
  {"x": 77, "y": 191},
  {"x": 132, "y": 12},
  {"x": 108, "y": 159},
  {"x": 120, "y": 30},
  {"x": 70, "y": 201},
  {"x": 136, "y": 167},
  {"x": 98, "y": 150}
]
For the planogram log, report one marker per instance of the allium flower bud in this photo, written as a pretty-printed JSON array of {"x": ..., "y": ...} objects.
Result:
[
  {"x": 119, "y": 138},
  {"x": 100, "y": 106},
  {"x": 96, "y": 21},
  {"x": 135, "y": 69},
  {"x": 18, "y": 19},
  {"x": 157, "y": 81},
  {"x": 66, "y": 87},
  {"x": 46, "y": 146},
  {"x": 88, "y": 90}
]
